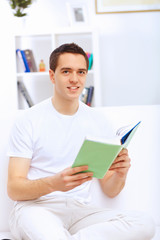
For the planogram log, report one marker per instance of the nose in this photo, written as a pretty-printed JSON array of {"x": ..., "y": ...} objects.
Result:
[{"x": 74, "y": 78}]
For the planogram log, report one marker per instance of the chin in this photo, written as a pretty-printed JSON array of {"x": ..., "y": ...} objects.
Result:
[{"x": 72, "y": 98}]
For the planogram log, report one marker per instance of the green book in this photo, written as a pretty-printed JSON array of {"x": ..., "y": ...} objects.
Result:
[{"x": 99, "y": 154}]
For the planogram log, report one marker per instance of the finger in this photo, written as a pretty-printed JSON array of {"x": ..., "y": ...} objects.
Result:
[
  {"x": 80, "y": 176},
  {"x": 122, "y": 158},
  {"x": 77, "y": 177},
  {"x": 123, "y": 152},
  {"x": 74, "y": 184},
  {"x": 121, "y": 164},
  {"x": 122, "y": 172},
  {"x": 77, "y": 170},
  {"x": 70, "y": 170}
]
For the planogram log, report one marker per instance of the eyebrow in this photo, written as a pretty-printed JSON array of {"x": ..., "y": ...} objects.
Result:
[{"x": 80, "y": 69}]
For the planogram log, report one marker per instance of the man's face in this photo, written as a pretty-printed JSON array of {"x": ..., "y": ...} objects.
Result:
[{"x": 70, "y": 76}]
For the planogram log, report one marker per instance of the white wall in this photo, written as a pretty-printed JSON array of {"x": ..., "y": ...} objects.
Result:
[
  {"x": 129, "y": 50},
  {"x": 8, "y": 98},
  {"x": 131, "y": 58}
]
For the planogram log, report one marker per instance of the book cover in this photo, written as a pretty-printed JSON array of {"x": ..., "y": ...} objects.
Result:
[
  {"x": 25, "y": 93},
  {"x": 30, "y": 60},
  {"x": 84, "y": 95},
  {"x": 99, "y": 154},
  {"x": 90, "y": 95},
  {"x": 27, "y": 69},
  {"x": 20, "y": 63}
]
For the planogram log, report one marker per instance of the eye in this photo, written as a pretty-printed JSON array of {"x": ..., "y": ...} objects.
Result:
[
  {"x": 82, "y": 72},
  {"x": 65, "y": 71}
]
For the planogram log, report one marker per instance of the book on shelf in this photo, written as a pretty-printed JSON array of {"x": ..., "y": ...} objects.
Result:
[
  {"x": 84, "y": 95},
  {"x": 90, "y": 59},
  {"x": 87, "y": 95},
  {"x": 25, "y": 93},
  {"x": 27, "y": 60},
  {"x": 20, "y": 63},
  {"x": 90, "y": 95},
  {"x": 99, "y": 154},
  {"x": 22, "y": 59},
  {"x": 30, "y": 60}
]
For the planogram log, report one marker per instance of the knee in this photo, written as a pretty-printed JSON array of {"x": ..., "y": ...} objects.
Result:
[{"x": 148, "y": 229}]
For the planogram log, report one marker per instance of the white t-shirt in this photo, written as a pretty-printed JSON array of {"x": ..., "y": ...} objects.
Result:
[{"x": 52, "y": 140}]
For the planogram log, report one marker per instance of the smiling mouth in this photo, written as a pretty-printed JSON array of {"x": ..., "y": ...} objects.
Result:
[{"x": 73, "y": 88}]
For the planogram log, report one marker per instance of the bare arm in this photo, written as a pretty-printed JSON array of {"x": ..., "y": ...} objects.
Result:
[
  {"x": 21, "y": 188},
  {"x": 114, "y": 181}
]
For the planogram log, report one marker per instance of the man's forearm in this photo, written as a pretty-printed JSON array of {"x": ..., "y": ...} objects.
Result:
[
  {"x": 112, "y": 184},
  {"x": 21, "y": 189},
  {"x": 114, "y": 181}
]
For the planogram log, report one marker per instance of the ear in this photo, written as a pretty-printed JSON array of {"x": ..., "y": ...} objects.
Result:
[{"x": 52, "y": 76}]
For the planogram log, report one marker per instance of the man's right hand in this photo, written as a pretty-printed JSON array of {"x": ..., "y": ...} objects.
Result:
[{"x": 70, "y": 178}]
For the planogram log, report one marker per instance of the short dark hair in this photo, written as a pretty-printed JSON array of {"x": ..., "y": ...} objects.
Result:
[{"x": 66, "y": 48}]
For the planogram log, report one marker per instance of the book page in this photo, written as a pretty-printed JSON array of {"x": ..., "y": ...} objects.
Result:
[{"x": 116, "y": 140}]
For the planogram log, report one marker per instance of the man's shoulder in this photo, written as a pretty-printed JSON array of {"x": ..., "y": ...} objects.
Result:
[
  {"x": 99, "y": 116},
  {"x": 84, "y": 107},
  {"x": 91, "y": 110},
  {"x": 34, "y": 112}
]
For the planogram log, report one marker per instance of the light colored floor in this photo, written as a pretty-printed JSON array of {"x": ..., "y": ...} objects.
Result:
[{"x": 7, "y": 235}]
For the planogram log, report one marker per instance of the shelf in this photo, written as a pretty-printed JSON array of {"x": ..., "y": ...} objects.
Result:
[{"x": 32, "y": 74}]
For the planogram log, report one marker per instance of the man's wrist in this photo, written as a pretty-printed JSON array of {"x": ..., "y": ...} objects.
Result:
[
  {"x": 50, "y": 184},
  {"x": 120, "y": 175}
]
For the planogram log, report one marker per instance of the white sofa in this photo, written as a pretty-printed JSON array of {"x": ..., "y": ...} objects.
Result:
[{"x": 142, "y": 190}]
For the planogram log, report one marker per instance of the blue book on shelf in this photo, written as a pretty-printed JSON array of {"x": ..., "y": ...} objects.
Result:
[
  {"x": 20, "y": 60},
  {"x": 24, "y": 60},
  {"x": 90, "y": 95}
]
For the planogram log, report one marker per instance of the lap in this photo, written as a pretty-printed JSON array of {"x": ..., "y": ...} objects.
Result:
[
  {"x": 89, "y": 216},
  {"x": 49, "y": 219}
]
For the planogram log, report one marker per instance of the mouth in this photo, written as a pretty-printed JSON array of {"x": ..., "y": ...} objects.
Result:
[{"x": 73, "y": 88}]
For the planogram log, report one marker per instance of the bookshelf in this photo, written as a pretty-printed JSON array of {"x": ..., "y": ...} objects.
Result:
[{"x": 38, "y": 84}]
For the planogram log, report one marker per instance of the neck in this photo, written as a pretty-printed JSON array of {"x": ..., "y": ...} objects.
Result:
[{"x": 66, "y": 107}]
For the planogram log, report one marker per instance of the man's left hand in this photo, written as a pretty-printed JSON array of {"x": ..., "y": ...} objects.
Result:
[{"x": 121, "y": 164}]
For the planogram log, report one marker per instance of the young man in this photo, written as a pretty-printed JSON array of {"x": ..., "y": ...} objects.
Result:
[{"x": 52, "y": 202}]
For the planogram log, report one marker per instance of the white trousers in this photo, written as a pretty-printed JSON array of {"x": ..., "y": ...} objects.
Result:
[{"x": 68, "y": 219}]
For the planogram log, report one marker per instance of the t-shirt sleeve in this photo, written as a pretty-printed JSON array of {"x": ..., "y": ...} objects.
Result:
[{"x": 20, "y": 141}]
